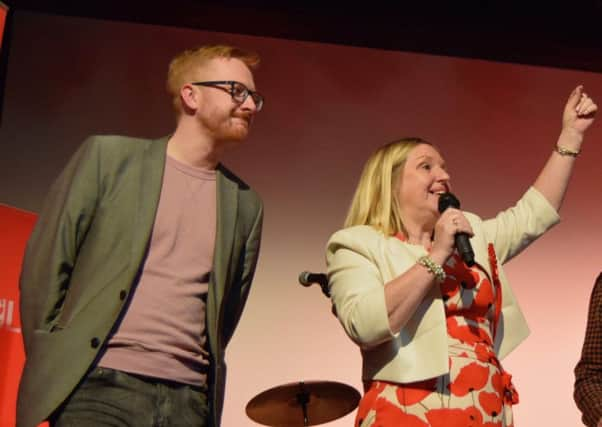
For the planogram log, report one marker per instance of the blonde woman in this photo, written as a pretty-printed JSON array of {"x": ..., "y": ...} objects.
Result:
[{"x": 431, "y": 329}]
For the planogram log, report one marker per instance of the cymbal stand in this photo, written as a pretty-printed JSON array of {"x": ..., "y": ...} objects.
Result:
[{"x": 303, "y": 400}]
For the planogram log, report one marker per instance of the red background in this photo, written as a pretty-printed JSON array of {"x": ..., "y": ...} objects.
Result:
[
  {"x": 15, "y": 227},
  {"x": 3, "y": 12}
]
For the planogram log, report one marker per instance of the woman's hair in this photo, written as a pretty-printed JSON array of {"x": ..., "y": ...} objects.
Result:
[
  {"x": 375, "y": 201},
  {"x": 184, "y": 67}
]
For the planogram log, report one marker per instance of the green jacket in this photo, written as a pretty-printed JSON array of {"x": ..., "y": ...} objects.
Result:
[{"x": 86, "y": 251}]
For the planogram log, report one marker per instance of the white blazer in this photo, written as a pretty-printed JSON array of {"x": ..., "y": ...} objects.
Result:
[{"x": 361, "y": 260}]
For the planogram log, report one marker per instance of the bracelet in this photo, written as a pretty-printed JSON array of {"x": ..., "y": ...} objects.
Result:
[
  {"x": 563, "y": 151},
  {"x": 433, "y": 268}
]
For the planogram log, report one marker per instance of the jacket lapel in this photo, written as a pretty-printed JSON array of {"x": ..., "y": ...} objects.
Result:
[
  {"x": 151, "y": 179},
  {"x": 227, "y": 208}
]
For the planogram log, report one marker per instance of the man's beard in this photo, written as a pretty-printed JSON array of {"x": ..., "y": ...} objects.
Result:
[
  {"x": 233, "y": 129},
  {"x": 230, "y": 128}
]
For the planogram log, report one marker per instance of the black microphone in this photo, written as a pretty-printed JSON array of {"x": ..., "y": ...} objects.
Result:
[
  {"x": 307, "y": 278},
  {"x": 463, "y": 245}
]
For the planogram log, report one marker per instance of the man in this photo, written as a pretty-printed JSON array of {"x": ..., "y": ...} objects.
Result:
[
  {"x": 140, "y": 264},
  {"x": 588, "y": 372}
]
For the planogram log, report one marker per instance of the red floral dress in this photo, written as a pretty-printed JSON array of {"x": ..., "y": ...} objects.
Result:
[{"x": 476, "y": 391}]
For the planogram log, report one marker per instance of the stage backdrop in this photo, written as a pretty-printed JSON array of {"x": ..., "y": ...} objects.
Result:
[
  {"x": 327, "y": 107},
  {"x": 3, "y": 13},
  {"x": 15, "y": 227}
]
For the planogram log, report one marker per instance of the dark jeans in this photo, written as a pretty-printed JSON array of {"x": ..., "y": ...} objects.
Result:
[{"x": 113, "y": 398}]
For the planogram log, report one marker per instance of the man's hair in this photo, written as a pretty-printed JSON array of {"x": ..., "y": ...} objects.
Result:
[
  {"x": 376, "y": 200},
  {"x": 184, "y": 66}
]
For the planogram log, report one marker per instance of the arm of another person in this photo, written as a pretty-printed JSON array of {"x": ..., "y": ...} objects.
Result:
[
  {"x": 52, "y": 248},
  {"x": 588, "y": 372}
]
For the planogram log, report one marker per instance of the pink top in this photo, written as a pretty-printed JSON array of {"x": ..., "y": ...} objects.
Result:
[{"x": 162, "y": 333}]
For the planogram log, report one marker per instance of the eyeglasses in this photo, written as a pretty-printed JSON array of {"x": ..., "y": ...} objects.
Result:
[{"x": 238, "y": 91}]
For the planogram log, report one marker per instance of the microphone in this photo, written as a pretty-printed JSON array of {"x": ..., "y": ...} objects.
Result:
[
  {"x": 463, "y": 245},
  {"x": 307, "y": 279}
]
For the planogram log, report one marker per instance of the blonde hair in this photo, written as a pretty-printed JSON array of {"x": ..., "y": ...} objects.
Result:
[
  {"x": 375, "y": 201},
  {"x": 183, "y": 67}
]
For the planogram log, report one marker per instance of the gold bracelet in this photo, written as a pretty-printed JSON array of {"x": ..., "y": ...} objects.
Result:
[
  {"x": 433, "y": 268},
  {"x": 563, "y": 151}
]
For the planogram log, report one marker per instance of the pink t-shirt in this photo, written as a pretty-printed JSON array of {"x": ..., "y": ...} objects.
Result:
[{"x": 162, "y": 333}]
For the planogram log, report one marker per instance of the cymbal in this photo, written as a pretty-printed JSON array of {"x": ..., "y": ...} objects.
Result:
[{"x": 303, "y": 403}]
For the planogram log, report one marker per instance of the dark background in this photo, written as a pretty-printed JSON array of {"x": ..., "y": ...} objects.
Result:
[{"x": 566, "y": 35}]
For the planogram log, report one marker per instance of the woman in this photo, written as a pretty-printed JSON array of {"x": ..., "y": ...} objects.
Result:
[{"x": 431, "y": 329}]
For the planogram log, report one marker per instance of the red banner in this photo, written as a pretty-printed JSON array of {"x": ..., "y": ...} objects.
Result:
[
  {"x": 15, "y": 228},
  {"x": 3, "y": 13}
]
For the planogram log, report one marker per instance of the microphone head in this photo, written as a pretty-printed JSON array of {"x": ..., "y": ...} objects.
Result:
[
  {"x": 447, "y": 200},
  {"x": 304, "y": 278}
]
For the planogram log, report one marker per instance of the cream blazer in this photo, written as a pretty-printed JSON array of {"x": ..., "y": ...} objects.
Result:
[{"x": 361, "y": 260}]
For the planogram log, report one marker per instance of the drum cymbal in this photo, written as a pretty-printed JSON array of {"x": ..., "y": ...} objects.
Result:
[{"x": 303, "y": 404}]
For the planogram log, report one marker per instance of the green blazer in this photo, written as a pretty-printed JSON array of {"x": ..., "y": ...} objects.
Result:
[{"x": 86, "y": 251}]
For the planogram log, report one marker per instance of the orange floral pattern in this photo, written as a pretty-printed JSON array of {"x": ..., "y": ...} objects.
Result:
[{"x": 476, "y": 391}]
